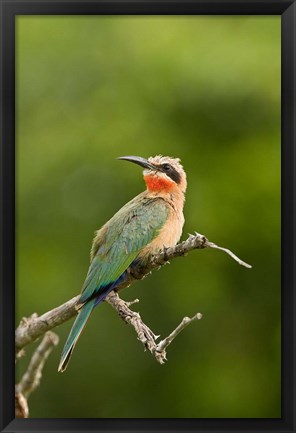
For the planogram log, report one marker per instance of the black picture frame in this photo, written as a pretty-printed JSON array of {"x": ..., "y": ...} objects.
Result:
[{"x": 287, "y": 10}]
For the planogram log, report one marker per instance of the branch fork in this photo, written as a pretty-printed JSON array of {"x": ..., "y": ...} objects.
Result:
[{"x": 144, "y": 333}]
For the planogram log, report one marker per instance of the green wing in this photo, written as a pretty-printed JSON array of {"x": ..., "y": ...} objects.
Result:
[{"x": 120, "y": 240}]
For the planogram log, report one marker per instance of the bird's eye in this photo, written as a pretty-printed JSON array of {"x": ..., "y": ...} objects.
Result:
[{"x": 166, "y": 167}]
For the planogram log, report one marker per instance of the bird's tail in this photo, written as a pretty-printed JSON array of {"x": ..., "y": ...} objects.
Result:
[{"x": 75, "y": 332}]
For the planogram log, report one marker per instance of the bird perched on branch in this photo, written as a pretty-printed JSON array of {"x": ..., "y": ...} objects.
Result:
[{"x": 142, "y": 227}]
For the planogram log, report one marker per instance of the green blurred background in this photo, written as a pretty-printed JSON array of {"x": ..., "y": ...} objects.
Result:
[{"x": 207, "y": 90}]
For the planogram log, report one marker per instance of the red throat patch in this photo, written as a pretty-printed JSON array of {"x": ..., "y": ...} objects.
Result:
[{"x": 155, "y": 183}]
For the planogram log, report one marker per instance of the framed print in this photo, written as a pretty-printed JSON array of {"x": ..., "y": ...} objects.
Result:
[{"x": 147, "y": 133}]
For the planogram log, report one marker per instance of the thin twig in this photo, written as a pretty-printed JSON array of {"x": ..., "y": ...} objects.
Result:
[
  {"x": 230, "y": 253},
  {"x": 163, "y": 344}
]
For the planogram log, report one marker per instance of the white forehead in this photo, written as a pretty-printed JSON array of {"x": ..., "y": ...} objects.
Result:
[{"x": 159, "y": 159}]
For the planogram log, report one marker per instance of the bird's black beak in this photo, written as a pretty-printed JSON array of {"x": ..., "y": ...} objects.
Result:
[{"x": 138, "y": 160}]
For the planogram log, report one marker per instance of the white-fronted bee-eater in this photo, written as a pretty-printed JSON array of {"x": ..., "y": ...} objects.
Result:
[{"x": 142, "y": 227}]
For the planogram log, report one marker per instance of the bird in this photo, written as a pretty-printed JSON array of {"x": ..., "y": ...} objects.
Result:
[{"x": 142, "y": 227}]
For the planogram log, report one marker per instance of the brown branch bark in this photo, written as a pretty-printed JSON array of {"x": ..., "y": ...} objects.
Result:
[{"x": 33, "y": 327}]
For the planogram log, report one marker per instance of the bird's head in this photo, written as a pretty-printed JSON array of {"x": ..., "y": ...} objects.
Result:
[{"x": 161, "y": 173}]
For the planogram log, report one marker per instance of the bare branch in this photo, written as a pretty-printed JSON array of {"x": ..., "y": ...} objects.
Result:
[
  {"x": 21, "y": 406},
  {"x": 33, "y": 327},
  {"x": 145, "y": 335},
  {"x": 185, "y": 322},
  {"x": 31, "y": 379},
  {"x": 230, "y": 253}
]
